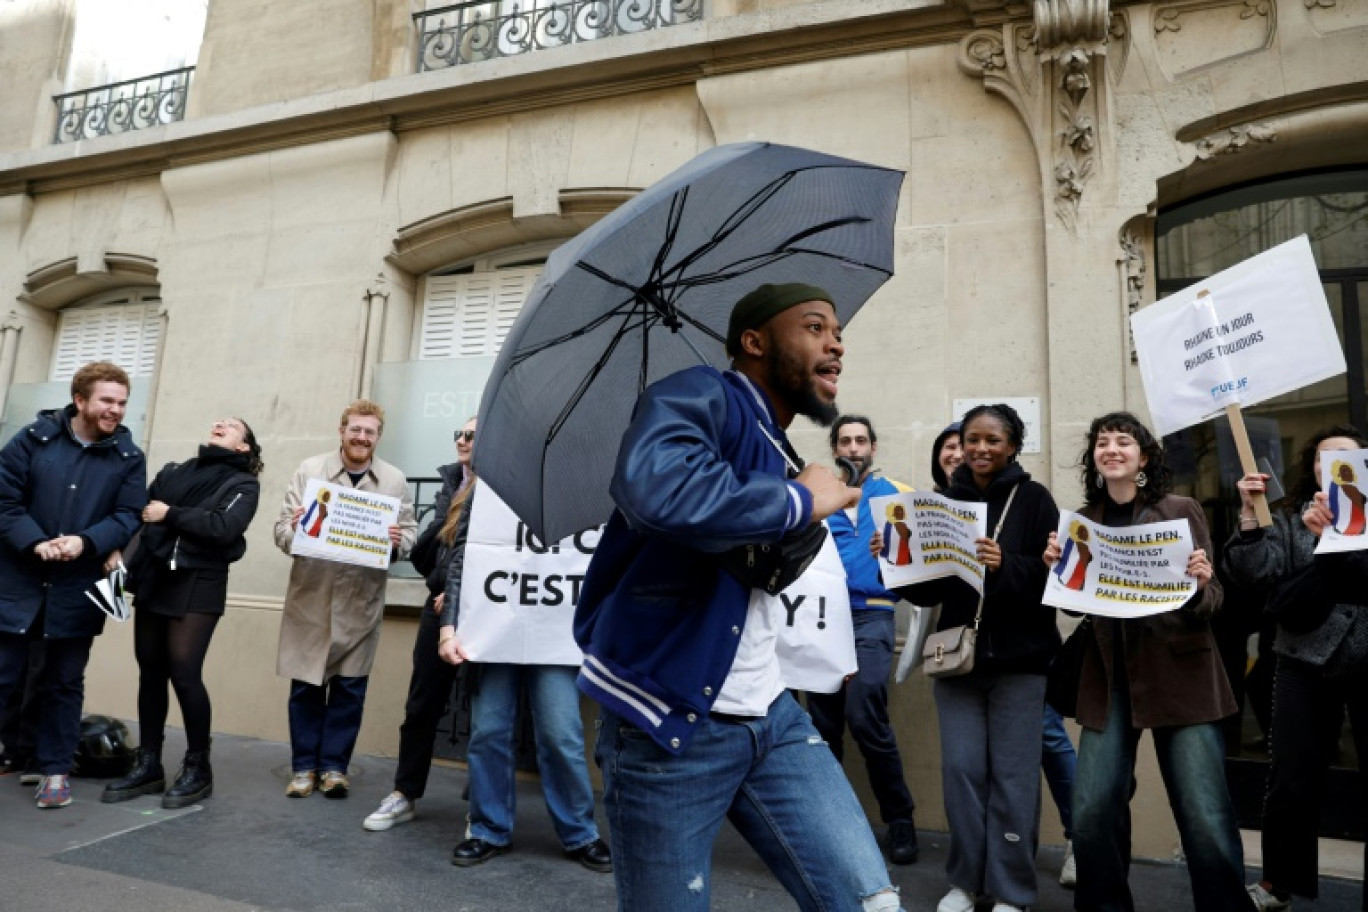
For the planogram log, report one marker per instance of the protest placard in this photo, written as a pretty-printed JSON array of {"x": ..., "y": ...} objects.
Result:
[
  {"x": 1344, "y": 478},
  {"x": 816, "y": 642},
  {"x": 346, "y": 525},
  {"x": 1125, "y": 572},
  {"x": 927, "y": 536},
  {"x": 1248, "y": 333},
  {"x": 518, "y": 594}
]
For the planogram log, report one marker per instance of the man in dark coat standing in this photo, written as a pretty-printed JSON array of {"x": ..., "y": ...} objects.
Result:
[{"x": 72, "y": 486}]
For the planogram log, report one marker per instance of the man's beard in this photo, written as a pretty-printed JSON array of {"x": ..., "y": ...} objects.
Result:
[{"x": 789, "y": 380}]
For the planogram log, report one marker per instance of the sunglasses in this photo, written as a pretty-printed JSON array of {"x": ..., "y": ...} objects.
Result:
[{"x": 467, "y": 436}]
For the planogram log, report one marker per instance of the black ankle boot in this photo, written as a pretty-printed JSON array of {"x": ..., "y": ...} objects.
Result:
[
  {"x": 145, "y": 778},
  {"x": 194, "y": 782}
]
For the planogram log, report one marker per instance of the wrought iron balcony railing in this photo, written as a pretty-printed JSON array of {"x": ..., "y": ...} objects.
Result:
[
  {"x": 486, "y": 29},
  {"x": 133, "y": 105}
]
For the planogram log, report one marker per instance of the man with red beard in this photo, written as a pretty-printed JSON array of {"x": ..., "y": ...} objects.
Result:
[
  {"x": 330, "y": 625},
  {"x": 679, "y": 650}
]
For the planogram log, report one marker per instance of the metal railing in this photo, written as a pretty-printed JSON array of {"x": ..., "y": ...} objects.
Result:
[
  {"x": 133, "y": 105},
  {"x": 425, "y": 490},
  {"x": 488, "y": 29}
]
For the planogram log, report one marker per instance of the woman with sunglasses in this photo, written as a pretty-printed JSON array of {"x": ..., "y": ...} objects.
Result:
[
  {"x": 431, "y": 680},
  {"x": 193, "y": 527}
]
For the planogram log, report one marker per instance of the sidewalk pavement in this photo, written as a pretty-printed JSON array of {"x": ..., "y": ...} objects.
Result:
[{"x": 250, "y": 848}]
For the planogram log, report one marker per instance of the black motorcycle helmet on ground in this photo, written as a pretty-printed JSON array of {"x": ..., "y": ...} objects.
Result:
[{"x": 105, "y": 749}]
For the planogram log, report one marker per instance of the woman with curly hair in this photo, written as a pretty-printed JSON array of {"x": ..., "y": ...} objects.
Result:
[{"x": 1162, "y": 673}]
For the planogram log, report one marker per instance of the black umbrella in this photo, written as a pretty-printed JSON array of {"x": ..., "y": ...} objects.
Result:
[{"x": 647, "y": 291}]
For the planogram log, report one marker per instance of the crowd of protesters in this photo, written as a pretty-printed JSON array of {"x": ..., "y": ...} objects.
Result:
[{"x": 677, "y": 741}]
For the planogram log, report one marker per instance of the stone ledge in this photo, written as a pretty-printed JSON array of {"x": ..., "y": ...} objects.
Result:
[{"x": 679, "y": 55}]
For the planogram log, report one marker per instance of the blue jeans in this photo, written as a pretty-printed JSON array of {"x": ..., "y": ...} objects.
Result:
[
  {"x": 1059, "y": 762},
  {"x": 1192, "y": 763},
  {"x": 863, "y": 704},
  {"x": 777, "y": 782},
  {"x": 555, "y": 705},
  {"x": 324, "y": 723}
]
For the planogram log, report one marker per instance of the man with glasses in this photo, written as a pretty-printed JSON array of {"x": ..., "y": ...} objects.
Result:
[{"x": 330, "y": 625}]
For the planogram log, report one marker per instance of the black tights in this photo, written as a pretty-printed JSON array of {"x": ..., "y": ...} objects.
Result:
[{"x": 172, "y": 649}]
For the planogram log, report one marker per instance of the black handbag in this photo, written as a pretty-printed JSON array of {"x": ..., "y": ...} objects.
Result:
[
  {"x": 773, "y": 567},
  {"x": 1061, "y": 684}
]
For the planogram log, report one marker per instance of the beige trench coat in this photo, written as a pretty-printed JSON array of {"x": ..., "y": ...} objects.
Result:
[{"x": 331, "y": 622}]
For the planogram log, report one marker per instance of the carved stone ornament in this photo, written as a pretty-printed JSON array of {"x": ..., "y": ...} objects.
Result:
[
  {"x": 1235, "y": 139},
  {"x": 1055, "y": 75},
  {"x": 1132, "y": 262}
]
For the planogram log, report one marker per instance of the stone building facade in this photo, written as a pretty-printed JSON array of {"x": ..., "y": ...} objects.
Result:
[{"x": 332, "y": 209}]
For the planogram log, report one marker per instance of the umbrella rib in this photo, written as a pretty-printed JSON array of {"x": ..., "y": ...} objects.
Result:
[
  {"x": 584, "y": 384},
  {"x": 572, "y": 334}
]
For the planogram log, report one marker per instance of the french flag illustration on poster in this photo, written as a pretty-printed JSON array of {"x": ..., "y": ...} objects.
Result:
[
  {"x": 1072, "y": 568},
  {"x": 1346, "y": 500}
]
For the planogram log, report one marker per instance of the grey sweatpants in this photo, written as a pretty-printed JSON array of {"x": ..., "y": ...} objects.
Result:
[{"x": 990, "y": 729}]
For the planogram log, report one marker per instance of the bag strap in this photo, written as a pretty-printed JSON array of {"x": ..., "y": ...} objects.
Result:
[{"x": 997, "y": 530}]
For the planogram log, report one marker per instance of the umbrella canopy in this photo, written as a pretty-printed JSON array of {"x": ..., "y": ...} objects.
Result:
[{"x": 647, "y": 291}]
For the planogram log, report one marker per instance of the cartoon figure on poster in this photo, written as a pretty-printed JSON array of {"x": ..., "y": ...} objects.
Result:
[
  {"x": 312, "y": 521},
  {"x": 1072, "y": 568},
  {"x": 897, "y": 537},
  {"x": 1346, "y": 499}
]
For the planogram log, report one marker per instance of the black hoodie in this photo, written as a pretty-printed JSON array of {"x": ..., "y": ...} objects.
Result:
[{"x": 1017, "y": 633}]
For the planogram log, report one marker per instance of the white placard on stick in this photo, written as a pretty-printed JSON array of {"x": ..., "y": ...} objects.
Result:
[
  {"x": 927, "y": 536},
  {"x": 1248, "y": 333},
  {"x": 518, "y": 595},
  {"x": 1344, "y": 479},
  {"x": 1121, "y": 572},
  {"x": 345, "y": 524}
]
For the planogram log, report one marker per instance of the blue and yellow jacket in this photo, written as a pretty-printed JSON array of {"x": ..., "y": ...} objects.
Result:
[
  {"x": 852, "y": 541},
  {"x": 700, "y": 471}
]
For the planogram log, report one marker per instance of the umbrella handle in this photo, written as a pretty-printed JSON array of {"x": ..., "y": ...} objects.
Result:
[{"x": 848, "y": 471}]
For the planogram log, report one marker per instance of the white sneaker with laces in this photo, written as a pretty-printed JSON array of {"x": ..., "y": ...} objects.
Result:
[
  {"x": 1068, "y": 874},
  {"x": 394, "y": 810},
  {"x": 1265, "y": 901},
  {"x": 957, "y": 900}
]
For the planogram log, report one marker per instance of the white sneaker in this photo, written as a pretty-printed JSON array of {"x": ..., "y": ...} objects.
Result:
[
  {"x": 1265, "y": 901},
  {"x": 394, "y": 810},
  {"x": 957, "y": 900},
  {"x": 1007, "y": 907},
  {"x": 1068, "y": 874}
]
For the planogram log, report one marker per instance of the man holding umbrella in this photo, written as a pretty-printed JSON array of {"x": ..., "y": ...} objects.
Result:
[{"x": 679, "y": 645}]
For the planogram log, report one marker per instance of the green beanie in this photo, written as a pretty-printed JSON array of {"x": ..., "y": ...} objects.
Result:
[{"x": 756, "y": 308}]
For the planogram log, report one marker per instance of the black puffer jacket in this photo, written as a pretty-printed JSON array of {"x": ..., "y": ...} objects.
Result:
[{"x": 1017, "y": 633}]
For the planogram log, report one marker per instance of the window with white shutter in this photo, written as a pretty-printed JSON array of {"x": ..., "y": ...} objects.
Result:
[
  {"x": 122, "y": 327},
  {"x": 468, "y": 315}
]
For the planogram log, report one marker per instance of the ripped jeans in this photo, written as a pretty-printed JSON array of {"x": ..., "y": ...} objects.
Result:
[{"x": 773, "y": 778}]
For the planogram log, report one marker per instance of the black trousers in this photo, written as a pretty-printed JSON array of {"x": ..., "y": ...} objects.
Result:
[
  {"x": 59, "y": 692},
  {"x": 1307, "y": 712},
  {"x": 429, "y": 688}
]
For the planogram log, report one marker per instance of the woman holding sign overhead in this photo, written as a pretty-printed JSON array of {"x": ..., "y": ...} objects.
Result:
[
  {"x": 990, "y": 718},
  {"x": 1160, "y": 672},
  {"x": 1322, "y": 660},
  {"x": 193, "y": 528}
]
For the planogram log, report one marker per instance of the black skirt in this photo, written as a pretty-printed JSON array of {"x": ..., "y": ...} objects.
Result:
[{"x": 176, "y": 593}]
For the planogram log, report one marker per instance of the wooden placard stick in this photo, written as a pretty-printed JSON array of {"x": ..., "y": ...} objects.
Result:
[{"x": 1248, "y": 464}]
